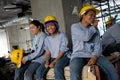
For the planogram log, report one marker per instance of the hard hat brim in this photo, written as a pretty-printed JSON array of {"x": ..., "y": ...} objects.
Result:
[
  {"x": 88, "y": 7},
  {"x": 50, "y": 18},
  {"x": 96, "y": 11},
  {"x": 108, "y": 22}
]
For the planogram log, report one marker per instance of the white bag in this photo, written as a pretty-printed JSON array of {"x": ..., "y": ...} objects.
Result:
[{"x": 90, "y": 73}]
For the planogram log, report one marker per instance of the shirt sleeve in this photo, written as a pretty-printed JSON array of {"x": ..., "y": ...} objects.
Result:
[
  {"x": 107, "y": 39},
  {"x": 37, "y": 52},
  {"x": 46, "y": 44},
  {"x": 64, "y": 43},
  {"x": 79, "y": 34},
  {"x": 115, "y": 33},
  {"x": 97, "y": 46}
]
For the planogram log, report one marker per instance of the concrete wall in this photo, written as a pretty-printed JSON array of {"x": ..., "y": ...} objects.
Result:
[{"x": 19, "y": 37}]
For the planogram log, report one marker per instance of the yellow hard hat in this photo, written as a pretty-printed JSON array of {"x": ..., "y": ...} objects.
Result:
[
  {"x": 88, "y": 7},
  {"x": 16, "y": 57},
  {"x": 50, "y": 18},
  {"x": 109, "y": 20}
]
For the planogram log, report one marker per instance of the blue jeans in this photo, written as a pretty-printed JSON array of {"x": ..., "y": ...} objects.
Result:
[
  {"x": 29, "y": 75},
  {"x": 19, "y": 72},
  {"x": 58, "y": 69},
  {"x": 76, "y": 65}
]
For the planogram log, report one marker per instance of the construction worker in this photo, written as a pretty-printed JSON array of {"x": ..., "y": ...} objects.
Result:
[
  {"x": 36, "y": 56},
  {"x": 87, "y": 47},
  {"x": 110, "y": 21},
  {"x": 111, "y": 40},
  {"x": 56, "y": 50}
]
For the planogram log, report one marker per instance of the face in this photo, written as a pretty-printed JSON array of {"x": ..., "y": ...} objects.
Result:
[
  {"x": 34, "y": 30},
  {"x": 108, "y": 25},
  {"x": 51, "y": 29},
  {"x": 89, "y": 17}
]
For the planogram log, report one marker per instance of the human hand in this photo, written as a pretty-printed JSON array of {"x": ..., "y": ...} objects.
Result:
[
  {"x": 52, "y": 65},
  {"x": 23, "y": 61},
  {"x": 92, "y": 60},
  {"x": 95, "y": 23},
  {"x": 46, "y": 65}
]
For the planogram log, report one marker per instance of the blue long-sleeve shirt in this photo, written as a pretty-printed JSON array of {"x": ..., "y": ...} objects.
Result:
[
  {"x": 86, "y": 41},
  {"x": 112, "y": 35},
  {"x": 38, "y": 42},
  {"x": 56, "y": 44}
]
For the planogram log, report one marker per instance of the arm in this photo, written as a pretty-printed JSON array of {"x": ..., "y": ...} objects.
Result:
[
  {"x": 48, "y": 56},
  {"x": 107, "y": 39},
  {"x": 61, "y": 54},
  {"x": 81, "y": 35},
  {"x": 97, "y": 50},
  {"x": 98, "y": 45},
  {"x": 63, "y": 49},
  {"x": 37, "y": 52}
]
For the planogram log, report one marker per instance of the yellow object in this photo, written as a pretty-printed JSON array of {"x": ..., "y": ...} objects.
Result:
[
  {"x": 109, "y": 20},
  {"x": 88, "y": 7},
  {"x": 50, "y": 18},
  {"x": 16, "y": 57}
]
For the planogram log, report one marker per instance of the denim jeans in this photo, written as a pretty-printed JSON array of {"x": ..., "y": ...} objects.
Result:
[
  {"x": 29, "y": 75},
  {"x": 19, "y": 72},
  {"x": 76, "y": 65},
  {"x": 58, "y": 69}
]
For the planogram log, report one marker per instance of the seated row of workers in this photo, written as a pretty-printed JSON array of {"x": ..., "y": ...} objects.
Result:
[{"x": 51, "y": 49}]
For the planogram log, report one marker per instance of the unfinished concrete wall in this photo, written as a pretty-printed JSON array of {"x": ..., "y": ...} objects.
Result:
[{"x": 18, "y": 36}]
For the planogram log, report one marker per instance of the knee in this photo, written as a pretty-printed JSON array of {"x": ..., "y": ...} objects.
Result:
[
  {"x": 73, "y": 68},
  {"x": 27, "y": 75},
  {"x": 39, "y": 72},
  {"x": 19, "y": 72},
  {"x": 74, "y": 71},
  {"x": 58, "y": 67}
]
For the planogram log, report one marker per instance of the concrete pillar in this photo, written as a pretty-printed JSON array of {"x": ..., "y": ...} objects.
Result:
[
  {"x": 62, "y": 9},
  {"x": 69, "y": 18}
]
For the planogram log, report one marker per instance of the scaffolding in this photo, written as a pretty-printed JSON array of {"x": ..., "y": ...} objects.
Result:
[{"x": 107, "y": 8}]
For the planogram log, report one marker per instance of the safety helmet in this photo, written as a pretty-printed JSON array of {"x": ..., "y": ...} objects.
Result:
[
  {"x": 50, "y": 18},
  {"x": 109, "y": 20},
  {"x": 88, "y": 7},
  {"x": 16, "y": 57}
]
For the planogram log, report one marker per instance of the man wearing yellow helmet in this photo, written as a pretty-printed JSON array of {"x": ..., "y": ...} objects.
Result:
[
  {"x": 109, "y": 22},
  {"x": 57, "y": 52},
  {"x": 87, "y": 45},
  {"x": 111, "y": 40}
]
